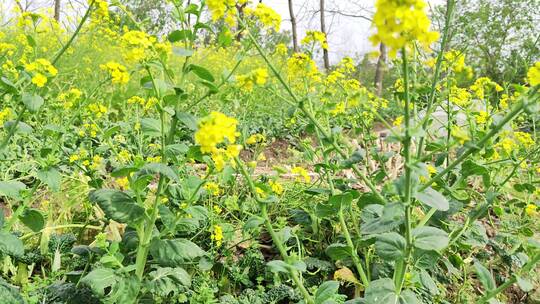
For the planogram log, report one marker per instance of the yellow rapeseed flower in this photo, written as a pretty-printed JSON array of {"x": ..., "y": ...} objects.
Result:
[{"x": 533, "y": 75}]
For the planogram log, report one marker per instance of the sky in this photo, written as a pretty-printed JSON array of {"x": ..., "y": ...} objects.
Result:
[{"x": 348, "y": 24}]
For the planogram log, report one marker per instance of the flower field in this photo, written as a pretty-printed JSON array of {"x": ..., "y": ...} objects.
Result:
[{"x": 211, "y": 161}]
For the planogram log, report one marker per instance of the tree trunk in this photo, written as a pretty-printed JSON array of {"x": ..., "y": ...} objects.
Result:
[
  {"x": 323, "y": 30},
  {"x": 293, "y": 26},
  {"x": 57, "y": 10},
  {"x": 379, "y": 71}
]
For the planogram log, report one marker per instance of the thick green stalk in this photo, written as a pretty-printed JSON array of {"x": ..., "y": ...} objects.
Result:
[
  {"x": 146, "y": 230},
  {"x": 401, "y": 268}
]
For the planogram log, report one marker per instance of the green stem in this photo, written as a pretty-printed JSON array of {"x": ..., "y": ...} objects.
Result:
[
  {"x": 300, "y": 105},
  {"x": 470, "y": 150},
  {"x": 77, "y": 30},
  {"x": 268, "y": 224},
  {"x": 401, "y": 268},
  {"x": 431, "y": 99}
]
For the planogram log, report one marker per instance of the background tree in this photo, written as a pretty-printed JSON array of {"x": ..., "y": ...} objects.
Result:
[
  {"x": 499, "y": 37},
  {"x": 293, "y": 26},
  {"x": 323, "y": 30}
]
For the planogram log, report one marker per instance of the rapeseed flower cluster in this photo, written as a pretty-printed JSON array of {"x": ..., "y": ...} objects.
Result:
[
  {"x": 217, "y": 136},
  {"x": 301, "y": 174},
  {"x": 40, "y": 70},
  {"x": 400, "y": 22},
  {"x": 216, "y": 235},
  {"x": 481, "y": 84},
  {"x": 315, "y": 37},
  {"x": 69, "y": 98},
  {"x": 117, "y": 72},
  {"x": 301, "y": 67},
  {"x": 5, "y": 114},
  {"x": 266, "y": 15},
  {"x": 533, "y": 74},
  {"x": 256, "y": 77},
  {"x": 139, "y": 46}
]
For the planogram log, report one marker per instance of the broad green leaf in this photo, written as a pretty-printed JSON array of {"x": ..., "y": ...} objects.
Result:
[
  {"x": 100, "y": 279},
  {"x": 10, "y": 244},
  {"x": 166, "y": 280},
  {"x": 390, "y": 246},
  {"x": 151, "y": 126},
  {"x": 9, "y": 294},
  {"x": 428, "y": 282},
  {"x": 117, "y": 205},
  {"x": 203, "y": 73},
  {"x": 179, "y": 35},
  {"x": 392, "y": 216},
  {"x": 32, "y": 102},
  {"x": 338, "y": 251},
  {"x": 33, "y": 219},
  {"x": 326, "y": 291},
  {"x": 484, "y": 276},
  {"x": 382, "y": 291},
  {"x": 278, "y": 266},
  {"x": 12, "y": 189},
  {"x": 253, "y": 222},
  {"x": 51, "y": 177},
  {"x": 20, "y": 128},
  {"x": 433, "y": 199},
  {"x": 339, "y": 201},
  {"x": 125, "y": 290},
  {"x": 430, "y": 238},
  {"x": 155, "y": 168},
  {"x": 174, "y": 253},
  {"x": 187, "y": 120}
]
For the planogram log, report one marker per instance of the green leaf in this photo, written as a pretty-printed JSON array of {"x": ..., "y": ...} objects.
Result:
[
  {"x": 382, "y": 291},
  {"x": 430, "y": 238},
  {"x": 32, "y": 102},
  {"x": 166, "y": 280},
  {"x": 339, "y": 201},
  {"x": 201, "y": 72},
  {"x": 9, "y": 294},
  {"x": 99, "y": 280},
  {"x": 253, "y": 222},
  {"x": 33, "y": 219},
  {"x": 12, "y": 189},
  {"x": 179, "y": 35},
  {"x": 428, "y": 282},
  {"x": 159, "y": 168},
  {"x": 524, "y": 284},
  {"x": 390, "y": 246},
  {"x": 338, "y": 251},
  {"x": 151, "y": 126},
  {"x": 50, "y": 177},
  {"x": 391, "y": 217},
  {"x": 277, "y": 266},
  {"x": 125, "y": 290},
  {"x": 484, "y": 276},
  {"x": 22, "y": 128},
  {"x": 188, "y": 120},
  {"x": 174, "y": 253},
  {"x": 326, "y": 291},
  {"x": 10, "y": 244},
  {"x": 117, "y": 205},
  {"x": 433, "y": 199}
]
